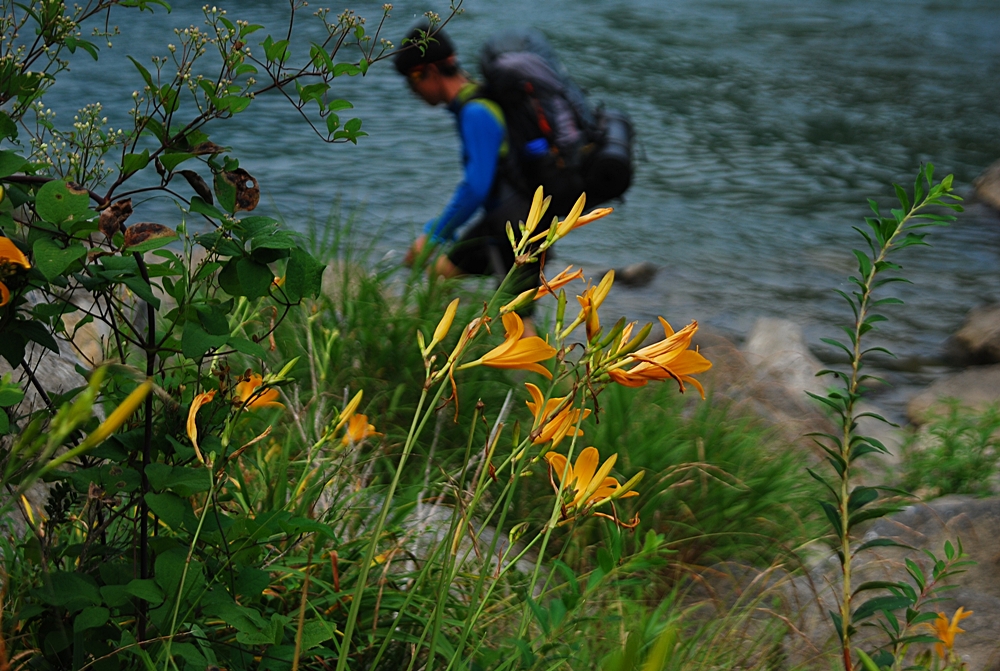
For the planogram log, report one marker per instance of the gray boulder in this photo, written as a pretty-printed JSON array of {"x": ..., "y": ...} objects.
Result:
[
  {"x": 979, "y": 337},
  {"x": 925, "y": 527},
  {"x": 987, "y": 186},
  {"x": 975, "y": 388}
]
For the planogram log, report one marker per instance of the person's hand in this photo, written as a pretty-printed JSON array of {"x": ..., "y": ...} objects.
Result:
[{"x": 415, "y": 250}]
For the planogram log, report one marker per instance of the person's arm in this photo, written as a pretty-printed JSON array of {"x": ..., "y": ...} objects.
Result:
[{"x": 482, "y": 137}]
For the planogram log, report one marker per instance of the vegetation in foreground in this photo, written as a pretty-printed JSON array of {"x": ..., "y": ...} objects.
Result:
[{"x": 260, "y": 474}]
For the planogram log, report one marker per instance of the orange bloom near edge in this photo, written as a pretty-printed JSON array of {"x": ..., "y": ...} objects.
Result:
[
  {"x": 562, "y": 279},
  {"x": 358, "y": 429},
  {"x": 518, "y": 352},
  {"x": 587, "y": 483},
  {"x": 246, "y": 392},
  {"x": 554, "y": 427},
  {"x": 12, "y": 259},
  {"x": 668, "y": 358},
  {"x": 946, "y": 631},
  {"x": 192, "y": 423}
]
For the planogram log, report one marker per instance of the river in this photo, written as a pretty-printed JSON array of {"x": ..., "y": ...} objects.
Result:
[{"x": 762, "y": 129}]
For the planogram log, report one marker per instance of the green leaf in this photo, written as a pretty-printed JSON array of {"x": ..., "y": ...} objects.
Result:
[
  {"x": 833, "y": 516},
  {"x": 8, "y": 129},
  {"x": 315, "y": 632},
  {"x": 349, "y": 69},
  {"x": 234, "y": 104},
  {"x": 874, "y": 584},
  {"x": 90, "y": 618},
  {"x": 170, "y": 571},
  {"x": 135, "y": 162},
  {"x": 860, "y": 497},
  {"x": 141, "y": 289},
  {"x": 303, "y": 275},
  {"x": 312, "y": 92},
  {"x": 73, "y": 591},
  {"x": 115, "y": 596},
  {"x": 872, "y": 513},
  {"x": 199, "y": 206},
  {"x": 663, "y": 650},
  {"x": 171, "y": 160},
  {"x": 32, "y": 331},
  {"x": 867, "y": 662},
  {"x": 247, "y": 347},
  {"x": 10, "y": 162},
  {"x": 57, "y": 203},
  {"x": 52, "y": 259},
  {"x": 213, "y": 317},
  {"x": 142, "y": 71},
  {"x": 12, "y": 348},
  {"x": 879, "y": 603},
  {"x": 332, "y": 122},
  {"x": 196, "y": 342},
  {"x": 170, "y": 508},
  {"x": 255, "y": 278},
  {"x": 225, "y": 191},
  {"x": 251, "y": 582},
  {"x": 337, "y": 105},
  {"x": 147, "y": 590},
  {"x": 881, "y": 542}
]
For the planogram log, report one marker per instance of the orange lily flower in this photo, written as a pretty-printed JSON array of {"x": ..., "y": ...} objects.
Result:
[
  {"x": 518, "y": 352},
  {"x": 591, "y": 300},
  {"x": 554, "y": 427},
  {"x": 586, "y": 483},
  {"x": 247, "y": 393},
  {"x": 12, "y": 259},
  {"x": 444, "y": 325},
  {"x": 562, "y": 279},
  {"x": 538, "y": 207},
  {"x": 946, "y": 631},
  {"x": 192, "y": 424},
  {"x": 668, "y": 358},
  {"x": 358, "y": 429},
  {"x": 569, "y": 223}
]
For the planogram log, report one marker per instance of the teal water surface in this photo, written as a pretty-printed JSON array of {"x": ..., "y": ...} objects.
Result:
[{"x": 762, "y": 128}]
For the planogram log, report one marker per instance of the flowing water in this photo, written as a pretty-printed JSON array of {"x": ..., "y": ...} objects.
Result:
[{"x": 762, "y": 128}]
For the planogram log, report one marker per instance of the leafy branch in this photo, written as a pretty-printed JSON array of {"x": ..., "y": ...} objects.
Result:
[{"x": 851, "y": 505}]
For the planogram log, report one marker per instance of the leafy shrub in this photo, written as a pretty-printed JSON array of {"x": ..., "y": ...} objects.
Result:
[
  {"x": 719, "y": 485},
  {"x": 956, "y": 453}
]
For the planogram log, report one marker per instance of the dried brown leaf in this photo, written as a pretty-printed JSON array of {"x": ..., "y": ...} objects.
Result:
[
  {"x": 198, "y": 184},
  {"x": 207, "y": 147},
  {"x": 247, "y": 191},
  {"x": 113, "y": 217},
  {"x": 141, "y": 232}
]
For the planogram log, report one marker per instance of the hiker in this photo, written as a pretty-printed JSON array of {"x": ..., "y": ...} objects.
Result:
[
  {"x": 483, "y": 248},
  {"x": 527, "y": 125}
]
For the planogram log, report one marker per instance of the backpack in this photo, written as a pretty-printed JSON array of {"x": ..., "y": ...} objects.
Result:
[{"x": 556, "y": 139}]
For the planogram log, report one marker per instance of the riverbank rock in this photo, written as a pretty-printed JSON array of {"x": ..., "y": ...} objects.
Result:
[
  {"x": 778, "y": 352},
  {"x": 979, "y": 337},
  {"x": 636, "y": 275},
  {"x": 924, "y": 527},
  {"x": 975, "y": 388},
  {"x": 987, "y": 186}
]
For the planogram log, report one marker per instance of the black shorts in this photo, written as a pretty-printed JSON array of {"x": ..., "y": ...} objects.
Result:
[{"x": 484, "y": 248}]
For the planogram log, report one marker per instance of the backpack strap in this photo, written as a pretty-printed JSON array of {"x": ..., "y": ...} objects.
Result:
[{"x": 474, "y": 92}]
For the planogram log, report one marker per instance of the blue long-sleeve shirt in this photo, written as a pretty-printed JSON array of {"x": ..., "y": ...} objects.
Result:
[{"x": 483, "y": 134}]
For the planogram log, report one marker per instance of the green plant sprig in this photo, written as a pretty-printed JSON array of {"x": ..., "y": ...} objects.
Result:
[{"x": 849, "y": 506}]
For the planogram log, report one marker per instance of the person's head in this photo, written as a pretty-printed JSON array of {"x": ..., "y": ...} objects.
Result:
[{"x": 431, "y": 69}]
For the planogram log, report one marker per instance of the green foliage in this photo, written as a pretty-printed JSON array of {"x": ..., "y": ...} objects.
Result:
[
  {"x": 956, "y": 453},
  {"x": 719, "y": 484},
  {"x": 849, "y": 505}
]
